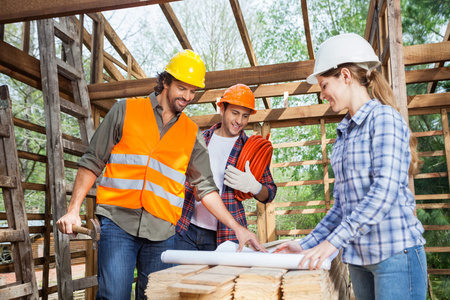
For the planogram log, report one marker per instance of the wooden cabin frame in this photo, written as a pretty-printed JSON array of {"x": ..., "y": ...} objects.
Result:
[{"x": 383, "y": 31}]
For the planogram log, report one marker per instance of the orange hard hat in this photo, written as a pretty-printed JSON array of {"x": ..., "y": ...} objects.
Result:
[{"x": 239, "y": 94}]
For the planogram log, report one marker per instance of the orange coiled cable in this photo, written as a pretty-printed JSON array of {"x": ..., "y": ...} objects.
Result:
[{"x": 258, "y": 151}]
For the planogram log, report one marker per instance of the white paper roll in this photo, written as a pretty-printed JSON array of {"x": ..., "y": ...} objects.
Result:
[{"x": 240, "y": 259}]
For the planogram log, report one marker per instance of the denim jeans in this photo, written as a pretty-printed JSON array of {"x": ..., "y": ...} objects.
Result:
[
  {"x": 118, "y": 255},
  {"x": 196, "y": 238},
  {"x": 400, "y": 277}
]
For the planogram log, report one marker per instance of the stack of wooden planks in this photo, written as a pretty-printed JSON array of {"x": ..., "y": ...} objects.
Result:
[
  {"x": 259, "y": 283},
  {"x": 317, "y": 284},
  {"x": 159, "y": 282},
  {"x": 216, "y": 283},
  {"x": 228, "y": 282}
]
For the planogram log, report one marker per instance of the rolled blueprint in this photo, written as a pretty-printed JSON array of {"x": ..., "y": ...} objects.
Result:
[{"x": 240, "y": 259}]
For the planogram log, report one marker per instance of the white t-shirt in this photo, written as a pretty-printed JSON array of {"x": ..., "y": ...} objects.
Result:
[{"x": 219, "y": 149}]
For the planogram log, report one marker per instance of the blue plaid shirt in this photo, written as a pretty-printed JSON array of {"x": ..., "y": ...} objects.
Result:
[{"x": 373, "y": 215}]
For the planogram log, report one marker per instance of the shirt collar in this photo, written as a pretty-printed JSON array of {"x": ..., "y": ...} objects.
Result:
[
  {"x": 155, "y": 103},
  {"x": 359, "y": 116},
  {"x": 210, "y": 131}
]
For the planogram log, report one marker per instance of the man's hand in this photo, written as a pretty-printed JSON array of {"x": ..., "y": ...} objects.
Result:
[
  {"x": 245, "y": 236},
  {"x": 65, "y": 222},
  {"x": 242, "y": 181}
]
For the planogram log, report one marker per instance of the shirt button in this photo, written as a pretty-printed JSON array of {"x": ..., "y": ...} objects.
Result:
[{"x": 406, "y": 250}]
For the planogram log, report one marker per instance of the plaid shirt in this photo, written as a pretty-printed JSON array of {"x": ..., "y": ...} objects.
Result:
[
  {"x": 234, "y": 206},
  {"x": 373, "y": 215}
]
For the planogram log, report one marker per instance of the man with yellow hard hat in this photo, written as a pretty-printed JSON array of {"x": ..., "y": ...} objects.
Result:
[
  {"x": 198, "y": 229},
  {"x": 149, "y": 149}
]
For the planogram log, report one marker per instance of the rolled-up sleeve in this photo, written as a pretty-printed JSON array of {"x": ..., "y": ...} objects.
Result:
[
  {"x": 199, "y": 174},
  {"x": 107, "y": 135}
]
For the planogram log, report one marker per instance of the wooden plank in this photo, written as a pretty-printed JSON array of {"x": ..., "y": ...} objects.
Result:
[
  {"x": 271, "y": 222},
  {"x": 446, "y": 133},
  {"x": 240, "y": 22},
  {"x": 13, "y": 292},
  {"x": 56, "y": 178},
  {"x": 432, "y": 85},
  {"x": 427, "y": 75},
  {"x": 120, "y": 47},
  {"x": 85, "y": 282},
  {"x": 293, "y": 232},
  {"x": 306, "y": 211},
  {"x": 176, "y": 26},
  {"x": 208, "y": 279},
  {"x": 426, "y": 53},
  {"x": 43, "y": 9},
  {"x": 8, "y": 182},
  {"x": 73, "y": 109},
  {"x": 433, "y": 206},
  {"x": 307, "y": 29},
  {"x": 436, "y": 227},
  {"x": 98, "y": 31},
  {"x": 12, "y": 235},
  {"x": 433, "y": 197}
]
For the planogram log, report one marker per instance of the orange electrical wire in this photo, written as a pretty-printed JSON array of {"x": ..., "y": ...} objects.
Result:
[{"x": 258, "y": 151}]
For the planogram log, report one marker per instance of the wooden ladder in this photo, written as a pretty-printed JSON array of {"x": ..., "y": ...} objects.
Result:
[
  {"x": 71, "y": 68},
  {"x": 17, "y": 232}
]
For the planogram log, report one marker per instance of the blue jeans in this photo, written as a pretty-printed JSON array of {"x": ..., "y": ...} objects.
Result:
[
  {"x": 196, "y": 238},
  {"x": 119, "y": 253},
  {"x": 400, "y": 277}
]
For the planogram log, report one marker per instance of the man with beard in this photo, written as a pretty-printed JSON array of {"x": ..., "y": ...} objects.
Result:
[
  {"x": 198, "y": 229},
  {"x": 149, "y": 149}
]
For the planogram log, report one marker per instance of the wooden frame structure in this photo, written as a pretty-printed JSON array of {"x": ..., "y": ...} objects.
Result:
[{"x": 383, "y": 31}]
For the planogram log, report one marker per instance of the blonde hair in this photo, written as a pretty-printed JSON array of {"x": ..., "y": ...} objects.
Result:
[{"x": 378, "y": 87}]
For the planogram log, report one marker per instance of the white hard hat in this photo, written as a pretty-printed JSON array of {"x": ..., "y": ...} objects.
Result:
[{"x": 343, "y": 48}]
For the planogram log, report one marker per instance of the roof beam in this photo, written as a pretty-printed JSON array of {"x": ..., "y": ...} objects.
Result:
[
  {"x": 176, "y": 26},
  {"x": 243, "y": 32},
  {"x": 432, "y": 85},
  {"x": 27, "y": 10},
  {"x": 307, "y": 30}
]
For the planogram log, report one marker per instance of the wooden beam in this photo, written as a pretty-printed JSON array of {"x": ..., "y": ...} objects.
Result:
[
  {"x": 238, "y": 16},
  {"x": 427, "y": 75},
  {"x": 307, "y": 30},
  {"x": 432, "y": 85},
  {"x": 299, "y": 113},
  {"x": 44, "y": 9},
  {"x": 176, "y": 26},
  {"x": 121, "y": 49},
  {"x": 426, "y": 53}
]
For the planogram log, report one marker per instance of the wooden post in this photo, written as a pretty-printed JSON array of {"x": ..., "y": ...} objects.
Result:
[
  {"x": 26, "y": 36},
  {"x": 398, "y": 80},
  {"x": 270, "y": 207},
  {"x": 326, "y": 180},
  {"x": 446, "y": 135},
  {"x": 98, "y": 32},
  {"x": 56, "y": 183}
]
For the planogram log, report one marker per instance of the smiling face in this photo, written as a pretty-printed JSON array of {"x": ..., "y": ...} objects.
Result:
[
  {"x": 234, "y": 120},
  {"x": 179, "y": 95},
  {"x": 335, "y": 91}
]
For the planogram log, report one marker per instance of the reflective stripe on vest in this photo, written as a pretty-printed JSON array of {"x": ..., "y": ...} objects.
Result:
[{"x": 144, "y": 171}]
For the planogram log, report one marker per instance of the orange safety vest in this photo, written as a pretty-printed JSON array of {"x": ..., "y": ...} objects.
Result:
[{"x": 146, "y": 171}]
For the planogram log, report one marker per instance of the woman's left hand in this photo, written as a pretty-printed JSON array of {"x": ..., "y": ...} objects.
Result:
[{"x": 321, "y": 252}]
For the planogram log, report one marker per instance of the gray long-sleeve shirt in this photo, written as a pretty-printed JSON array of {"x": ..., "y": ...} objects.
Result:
[{"x": 138, "y": 222}]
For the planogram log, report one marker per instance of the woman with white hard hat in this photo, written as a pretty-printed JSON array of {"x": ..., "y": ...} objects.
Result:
[{"x": 373, "y": 218}]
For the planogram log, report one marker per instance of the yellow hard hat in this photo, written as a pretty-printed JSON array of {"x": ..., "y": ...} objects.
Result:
[
  {"x": 187, "y": 66},
  {"x": 241, "y": 95}
]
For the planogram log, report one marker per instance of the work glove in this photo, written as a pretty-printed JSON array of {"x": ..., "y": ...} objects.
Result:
[{"x": 242, "y": 181}]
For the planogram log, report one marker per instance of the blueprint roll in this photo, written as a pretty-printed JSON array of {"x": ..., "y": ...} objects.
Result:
[{"x": 239, "y": 259}]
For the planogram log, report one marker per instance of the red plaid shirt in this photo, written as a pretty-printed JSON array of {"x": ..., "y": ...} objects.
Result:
[{"x": 234, "y": 206}]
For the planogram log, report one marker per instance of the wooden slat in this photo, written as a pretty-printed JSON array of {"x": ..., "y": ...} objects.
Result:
[
  {"x": 426, "y": 53},
  {"x": 74, "y": 148},
  {"x": 67, "y": 70},
  {"x": 433, "y": 206},
  {"x": 436, "y": 227},
  {"x": 433, "y": 197},
  {"x": 85, "y": 282},
  {"x": 120, "y": 47},
  {"x": 8, "y": 182},
  {"x": 176, "y": 26},
  {"x": 44, "y": 9},
  {"x": 432, "y": 85},
  {"x": 427, "y": 75},
  {"x": 307, "y": 29},
  {"x": 294, "y": 232},
  {"x": 306, "y": 211},
  {"x": 63, "y": 34},
  {"x": 240, "y": 22},
  {"x": 73, "y": 109},
  {"x": 12, "y": 235},
  {"x": 16, "y": 291},
  {"x": 446, "y": 133}
]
